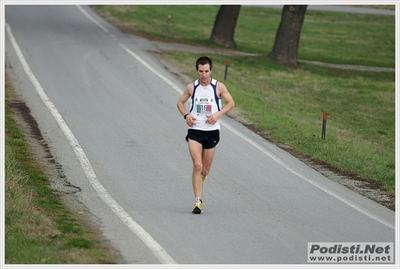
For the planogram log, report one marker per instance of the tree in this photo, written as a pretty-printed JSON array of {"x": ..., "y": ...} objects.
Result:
[
  {"x": 224, "y": 26},
  {"x": 288, "y": 35}
]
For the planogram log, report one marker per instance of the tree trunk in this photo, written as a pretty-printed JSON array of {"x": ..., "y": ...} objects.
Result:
[
  {"x": 224, "y": 26},
  {"x": 288, "y": 36}
]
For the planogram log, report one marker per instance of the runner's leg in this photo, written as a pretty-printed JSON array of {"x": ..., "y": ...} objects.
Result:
[
  {"x": 208, "y": 156},
  {"x": 195, "y": 150}
]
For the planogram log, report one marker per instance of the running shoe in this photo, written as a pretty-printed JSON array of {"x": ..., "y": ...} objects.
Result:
[
  {"x": 203, "y": 178},
  {"x": 198, "y": 207}
]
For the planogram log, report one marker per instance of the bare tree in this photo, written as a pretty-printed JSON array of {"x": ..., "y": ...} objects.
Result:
[
  {"x": 224, "y": 26},
  {"x": 288, "y": 35}
]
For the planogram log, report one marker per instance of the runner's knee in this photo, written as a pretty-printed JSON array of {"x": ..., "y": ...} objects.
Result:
[{"x": 197, "y": 166}]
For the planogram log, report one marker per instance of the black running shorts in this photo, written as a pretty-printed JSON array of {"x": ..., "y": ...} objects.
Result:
[{"x": 208, "y": 139}]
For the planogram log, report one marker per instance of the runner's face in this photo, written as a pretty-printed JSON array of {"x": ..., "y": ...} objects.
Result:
[{"x": 204, "y": 73}]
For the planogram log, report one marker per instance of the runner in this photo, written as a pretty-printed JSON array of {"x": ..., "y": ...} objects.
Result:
[{"x": 203, "y": 121}]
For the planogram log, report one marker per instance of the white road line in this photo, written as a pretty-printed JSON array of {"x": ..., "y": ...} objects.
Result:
[
  {"x": 92, "y": 19},
  {"x": 152, "y": 244},
  {"x": 170, "y": 83},
  {"x": 263, "y": 150},
  {"x": 315, "y": 184}
]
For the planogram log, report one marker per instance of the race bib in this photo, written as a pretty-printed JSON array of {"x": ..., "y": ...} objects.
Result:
[{"x": 204, "y": 106}]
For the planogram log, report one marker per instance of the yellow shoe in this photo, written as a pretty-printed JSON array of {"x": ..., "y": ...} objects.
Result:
[
  {"x": 198, "y": 207},
  {"x": 203, "y": 178}
]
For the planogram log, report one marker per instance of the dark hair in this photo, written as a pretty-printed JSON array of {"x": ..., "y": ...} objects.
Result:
[{"x": 203, "y": 60}]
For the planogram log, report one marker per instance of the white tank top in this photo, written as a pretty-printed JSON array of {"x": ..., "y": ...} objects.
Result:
[{"x": 205, "y": 101}]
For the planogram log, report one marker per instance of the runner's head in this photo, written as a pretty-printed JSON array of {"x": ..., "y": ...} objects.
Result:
[{"x": 203, "y": 61}]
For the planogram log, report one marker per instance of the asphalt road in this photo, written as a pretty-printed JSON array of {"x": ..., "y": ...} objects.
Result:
[{"x": 107, "y": 109}]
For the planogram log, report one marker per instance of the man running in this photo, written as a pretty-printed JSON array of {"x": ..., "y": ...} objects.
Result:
[{"x": 203, "y": 121}]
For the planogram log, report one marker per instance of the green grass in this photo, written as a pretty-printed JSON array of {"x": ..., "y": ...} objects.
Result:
[
  {"x": 288, "y": 103},
  {"x": 39, "y": 229},
  {"x": 333, "y": 37}
]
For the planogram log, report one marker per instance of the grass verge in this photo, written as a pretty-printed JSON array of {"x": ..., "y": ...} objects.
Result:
[
  {"x": 39, "y": 229},
  {"x": 334, "y": 37}
]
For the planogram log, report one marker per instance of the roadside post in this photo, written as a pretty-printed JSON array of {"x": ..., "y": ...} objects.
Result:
[
  {"x": 168, "y": 22},
  {"x": 324, "y": 118},
  {"x": 226, "y": 68}
]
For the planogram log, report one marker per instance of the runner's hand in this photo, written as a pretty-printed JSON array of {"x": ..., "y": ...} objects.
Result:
[
  {"x": 190, "y": 120},
  {"x": 212, "y": 119}
]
